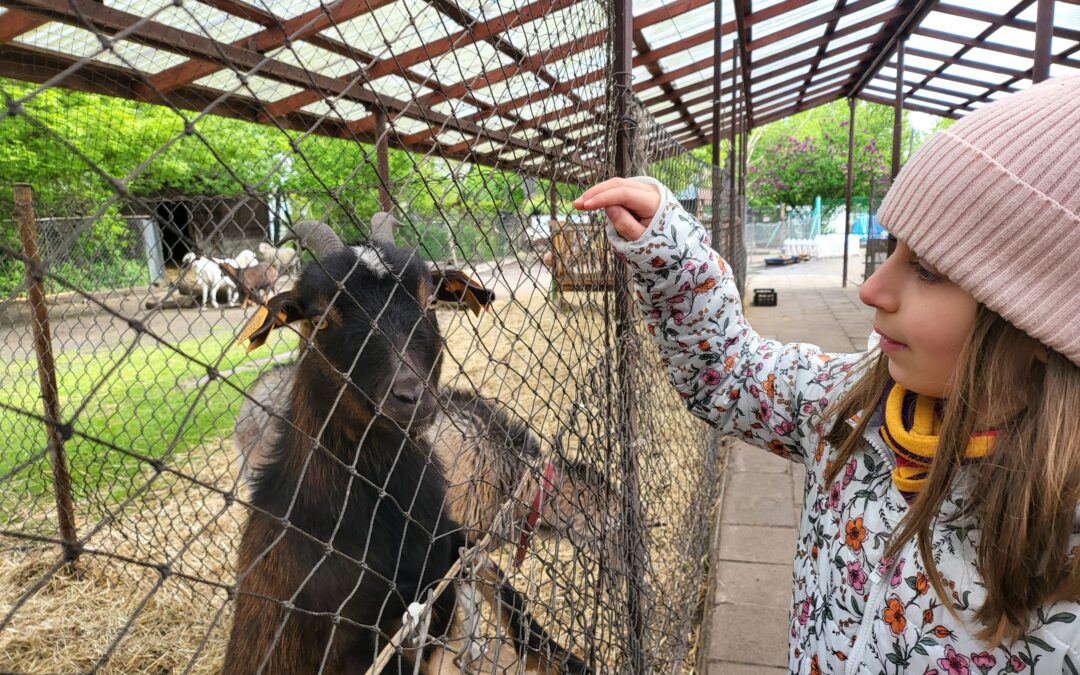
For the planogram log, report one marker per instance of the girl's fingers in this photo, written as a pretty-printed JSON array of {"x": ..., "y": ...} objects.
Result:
[
  {"x": 607, "y": 185},
  {"x": 642, "y": 203},
  {"x": 629, "y": 227}
]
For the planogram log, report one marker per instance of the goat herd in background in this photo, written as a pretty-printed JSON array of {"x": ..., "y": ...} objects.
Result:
[
  {"x": 368, "y": 484},
  {"x": 244, "y": 277}
]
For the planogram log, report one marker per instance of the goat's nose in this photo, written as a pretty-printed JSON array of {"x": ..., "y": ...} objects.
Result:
[{"x": 407, "y": 389}]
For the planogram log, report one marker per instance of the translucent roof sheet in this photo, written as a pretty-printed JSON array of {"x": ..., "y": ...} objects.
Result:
[{"x": 534, "y": 75}]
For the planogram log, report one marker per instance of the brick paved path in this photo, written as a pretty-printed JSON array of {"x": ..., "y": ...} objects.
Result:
[{"x": 747, "y": 627}]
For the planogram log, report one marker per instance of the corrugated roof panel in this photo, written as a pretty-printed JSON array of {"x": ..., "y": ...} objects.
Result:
[
  {"x": 686, "y": 57},
  {"x": 557, "y": 28},
  {"x": 397, "y": 87},
  {"x": 998, "y": 59},
  {"x": 788, "y": 42},
  {"x": 1058, "y": 70},
  {"x": 958, "y": 25},
  {"x": 511, "y": 88},
  {"x": 852, "y": 18},
  {"x": 258, "y": 87},
  {"x": 791, "y": 17},
  {"x": 406, "y": 125},
  {"x": 454, "y": 108},
  {"x": 922, "y": 62},
  {"x": 287, "y": 9},
  {"x": 758, "y": 71},
  {"x": 836, "y": 56},
  {"x": 541, "y": 107},
  {"x": 841, "y": 42},
  {"x": 488, "y": 9},
  {"x": 578, "y": 64},
  {"x": 977, "y": 74},
  {"x": 671, "y": 31},
  {"x": 322, "y": 61},
  {"x": 992, "y": 6},
  {"x": 348, "y": 111},
  {"x": 781, "y": 77},
  {"x": 193, "y": 17},
  {"x": 464, "y": 63},
  {"x": 933, "y": 45}
]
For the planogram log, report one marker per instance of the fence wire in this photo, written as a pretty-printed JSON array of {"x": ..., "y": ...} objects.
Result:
[{"x": 423, "y": 459}]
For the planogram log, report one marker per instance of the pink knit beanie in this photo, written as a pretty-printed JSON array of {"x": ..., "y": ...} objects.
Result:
[{"x": 993, "y": 202}]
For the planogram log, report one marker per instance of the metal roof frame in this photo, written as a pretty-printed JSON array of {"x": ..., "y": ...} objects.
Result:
[{"x": 788, "y": 56}]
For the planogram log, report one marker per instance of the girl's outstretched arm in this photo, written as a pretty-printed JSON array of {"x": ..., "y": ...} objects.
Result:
[{"x": 770, "y": 394}]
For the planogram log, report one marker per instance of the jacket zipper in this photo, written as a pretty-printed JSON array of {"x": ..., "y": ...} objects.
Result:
[{"x": 881, "y": 587}]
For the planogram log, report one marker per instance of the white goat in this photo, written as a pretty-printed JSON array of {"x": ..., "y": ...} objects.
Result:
[
  {"x": 210, "y": 278},
  {"x": 283, "y": 258},
  {"x": 246, "y": 259}
]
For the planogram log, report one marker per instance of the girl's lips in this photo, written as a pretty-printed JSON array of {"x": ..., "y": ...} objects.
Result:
[{"x": 889, "y": 345}]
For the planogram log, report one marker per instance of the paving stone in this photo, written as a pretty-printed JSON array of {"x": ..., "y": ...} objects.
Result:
[
  {"x": 762, "y": 584},
  {"x": 798, "y": 485},
  {"x": 746, "y": 458},
  {"x": 749, "y": 634},
  {"x": 757, "y": 544},
  {"x": 758, "y": 499}
]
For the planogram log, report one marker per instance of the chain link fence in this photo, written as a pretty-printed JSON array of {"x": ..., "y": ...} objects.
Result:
[{"x": 445, "y": 448}]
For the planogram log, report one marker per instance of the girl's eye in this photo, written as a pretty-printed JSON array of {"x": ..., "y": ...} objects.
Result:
[{"x": 923, "y": 273}]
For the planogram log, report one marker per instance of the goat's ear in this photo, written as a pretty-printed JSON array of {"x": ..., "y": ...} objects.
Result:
[
  {"x": 456, "y": 287},
  {"x": 279, "y": 310}
]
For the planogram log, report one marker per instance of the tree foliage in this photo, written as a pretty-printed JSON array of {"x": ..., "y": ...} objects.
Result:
[{"x": 804, "y": 156}]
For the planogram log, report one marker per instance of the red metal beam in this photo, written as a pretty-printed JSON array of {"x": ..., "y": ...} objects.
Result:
[
  {"x": 297, "y": 28},
  {"x": 908, "y": 105},
  {"x": 17, "y": 23},
  {"x": 151, "y": 33},
  {"x": 1007, "y": 19},
  {"x": 742, "y": 9},
  {"x": 29, "y": 64}
]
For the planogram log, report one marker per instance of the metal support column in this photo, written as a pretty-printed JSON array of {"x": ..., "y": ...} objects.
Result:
[
  {"x": 850, "y": 181},
  {"x": 732, "y": 168},
  {"x": 898, "y": 121},
  {"x": 1044, "y": 33},
  {"x": 626, "y": 346},
  {"x": 717, "y": 111}
]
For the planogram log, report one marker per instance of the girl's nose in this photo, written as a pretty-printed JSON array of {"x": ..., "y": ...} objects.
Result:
[{"x": 880, "y": 290}]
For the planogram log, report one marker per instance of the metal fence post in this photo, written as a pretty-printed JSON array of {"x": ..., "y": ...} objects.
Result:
[
  {"x": 55, "y": 431},
  {"x": 626, "y": 355}
]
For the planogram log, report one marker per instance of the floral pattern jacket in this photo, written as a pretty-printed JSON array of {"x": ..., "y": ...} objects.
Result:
[{"x": 852, "y": 609}]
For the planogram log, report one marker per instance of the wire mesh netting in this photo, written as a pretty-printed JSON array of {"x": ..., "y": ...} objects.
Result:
[{"x": 439, "y": 449}]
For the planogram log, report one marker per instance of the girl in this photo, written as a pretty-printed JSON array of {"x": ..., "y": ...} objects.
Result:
[{"x": 940, "y": 532}]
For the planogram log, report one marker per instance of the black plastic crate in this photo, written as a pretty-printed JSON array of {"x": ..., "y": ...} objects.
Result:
[{"x": 764, "y": 297}]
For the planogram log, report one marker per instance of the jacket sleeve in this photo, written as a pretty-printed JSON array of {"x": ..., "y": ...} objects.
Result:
[{"x": 770, "y": 394}]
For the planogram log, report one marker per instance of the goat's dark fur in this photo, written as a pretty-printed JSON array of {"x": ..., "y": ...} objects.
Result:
[{"x": 331, "y": 556}]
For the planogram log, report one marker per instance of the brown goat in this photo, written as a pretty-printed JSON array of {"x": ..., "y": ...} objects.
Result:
[{"x": 251, "y": 281}]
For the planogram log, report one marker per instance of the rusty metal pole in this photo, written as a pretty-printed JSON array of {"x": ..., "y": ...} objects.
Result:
[
  {"x": 850, "y": 181},
  {"x": 1044, "y": 33},
  {"x": 717, "y": 112},
  {"x": 626, "y": 344},
  {"x": 732, "y": 148},
  {"x": 382, "y": 160},
  {"x": 898, "y": 122},
  {"x": 55, "y": 431},
  {"x": 737, "y": 249}
]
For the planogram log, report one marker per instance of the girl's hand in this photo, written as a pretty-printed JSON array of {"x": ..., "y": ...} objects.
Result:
[{"x": 629, "y": 204}]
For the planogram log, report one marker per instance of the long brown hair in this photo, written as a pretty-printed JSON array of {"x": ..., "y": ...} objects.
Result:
[{"x": 1026, "y": 491}]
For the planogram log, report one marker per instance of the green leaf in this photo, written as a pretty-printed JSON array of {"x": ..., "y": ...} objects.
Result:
[
  {"x": 1032, "y": 640},
  {"x": 1062, "y": 617}
]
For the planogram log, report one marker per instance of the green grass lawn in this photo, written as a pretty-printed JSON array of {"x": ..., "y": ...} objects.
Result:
[{"x": 153, "y": 401}]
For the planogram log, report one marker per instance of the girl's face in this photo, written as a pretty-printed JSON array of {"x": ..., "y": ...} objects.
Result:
[{"x": 923, "y": 319}]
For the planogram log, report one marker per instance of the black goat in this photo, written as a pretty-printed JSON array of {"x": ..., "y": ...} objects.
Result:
[{"x": 350, "y": 525}]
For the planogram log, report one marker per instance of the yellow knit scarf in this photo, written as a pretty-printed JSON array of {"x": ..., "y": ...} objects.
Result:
[{"x": 911, "y": 429}]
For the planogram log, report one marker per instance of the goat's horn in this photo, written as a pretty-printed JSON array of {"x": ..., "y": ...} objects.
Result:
[
  {"x": 382, "y": 227},
  {"x": 317, "y": 236}
]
